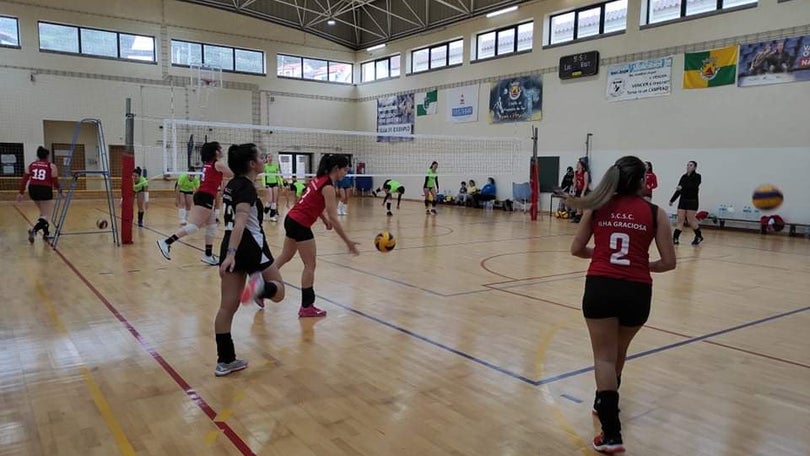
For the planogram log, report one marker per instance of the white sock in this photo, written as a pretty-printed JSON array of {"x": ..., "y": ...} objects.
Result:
[
  {"x": 182, "y": 213},
  {"x": 216, "y": 213},
  {"x": 273, "y": 206}
]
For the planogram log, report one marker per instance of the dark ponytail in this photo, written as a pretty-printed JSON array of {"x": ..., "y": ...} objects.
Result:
[
  {"x": 42, "y": 153},
  {"x": 625, "y": 177},
  {"x": 138, "y": 171},
  {"x": 331, "y": 161},
  {"x": 208, "y": 151}
]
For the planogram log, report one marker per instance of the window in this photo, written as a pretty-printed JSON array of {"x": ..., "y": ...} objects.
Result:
[
  {"x": 667, "y": 10},
  {"x": 508, "y": 40},
  {"x": 384, "y": 68},
  {"x": 293, "y": 66},
  {"x": 588, "y": 21},
  {"x": 226, "y": 58},
  {"x": 60, "y": 38},
  {"x": 95, "y": 42},
  {"x": 9, "y": 32},
  {"x": 437, "y": 56}
]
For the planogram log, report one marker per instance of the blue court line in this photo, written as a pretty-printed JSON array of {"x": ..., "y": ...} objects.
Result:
[
  {"x": 547, "y": 380},
  {"x": 692, "y": 340},
  {"x": 571, "y": 398}
]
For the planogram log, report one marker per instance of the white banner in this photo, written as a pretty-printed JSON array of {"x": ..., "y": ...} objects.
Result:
[
  {"x": 462, "y": 104},
  {"x": 639, "y": 79}
]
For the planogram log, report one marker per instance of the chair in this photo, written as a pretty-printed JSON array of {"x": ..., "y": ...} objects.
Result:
[{"x": 521, "y": 194}]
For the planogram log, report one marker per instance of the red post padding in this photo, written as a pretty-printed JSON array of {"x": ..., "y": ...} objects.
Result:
[
  {"x": 534, "y": 174},
  {"x": 127, "y": 197}
]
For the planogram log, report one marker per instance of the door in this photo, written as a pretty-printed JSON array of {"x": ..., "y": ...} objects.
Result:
[
  {"x": 294, "y": 163},
  {"x": 61, "y": 156},
  {"x": 116, "y": 154}
]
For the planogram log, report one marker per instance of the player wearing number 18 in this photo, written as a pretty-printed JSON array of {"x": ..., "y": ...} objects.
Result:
[
  {"x": 618, "y": 286},
  {"x": 41, "y": 178}
]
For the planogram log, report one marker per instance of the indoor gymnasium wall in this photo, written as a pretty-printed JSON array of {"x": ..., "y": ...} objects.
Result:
[
  {"x": 740, "y": 137},
  {"x": 37, "y": 86}
]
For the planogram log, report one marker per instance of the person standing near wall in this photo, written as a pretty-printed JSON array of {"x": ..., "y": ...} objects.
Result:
[{"x": 687, "y": 195}]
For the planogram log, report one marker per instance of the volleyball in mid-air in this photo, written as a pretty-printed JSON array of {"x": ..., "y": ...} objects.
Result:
[
  {"x": 102, "y": 223},
  {"x": 385, "y": 242},
  {"x": 767, "y": 197}
]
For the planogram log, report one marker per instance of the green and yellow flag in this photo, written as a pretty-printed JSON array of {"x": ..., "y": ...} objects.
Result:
[{"x": 710, "y": 68}]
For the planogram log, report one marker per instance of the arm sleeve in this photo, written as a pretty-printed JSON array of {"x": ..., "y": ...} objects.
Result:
[
  {"x": 677, "y": 192},
  {"x": 426, "y": 181}
]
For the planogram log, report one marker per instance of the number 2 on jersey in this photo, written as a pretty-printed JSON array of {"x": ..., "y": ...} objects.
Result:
[{"x": 620, "y": 244}]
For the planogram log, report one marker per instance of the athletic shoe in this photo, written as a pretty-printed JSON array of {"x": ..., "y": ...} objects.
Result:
[
  {"x": 165, "y": 249},
  {"x": 259, "y": 302},
  {"x": 253, "y": 289},
  {"x": 140, "y": 224},
  {"x": 433, "y": 211},
  {"x": 675, "y": 241},
  {"x": 31, "y": 236},
  {"x": 389, "y": 213},
  {"x": 608, "y": 446},
  {"x": 210, "y": 260},
  {"x": 311, "y": 311},
  {"x": 224, "y": 369},
  {"x": 374, "y": 193},
  {"x": 427, "y": 211},
  {"x": 273, "y": 219},
  {"x": 697, "y": 240}
]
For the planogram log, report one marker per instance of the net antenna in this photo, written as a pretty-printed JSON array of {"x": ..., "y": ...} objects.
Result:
[{"x": 204, "y": 80}]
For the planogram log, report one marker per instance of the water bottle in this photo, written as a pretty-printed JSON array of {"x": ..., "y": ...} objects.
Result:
[
  {"x": 747, "y": 212},
  {"x": 722, "y": 212}
]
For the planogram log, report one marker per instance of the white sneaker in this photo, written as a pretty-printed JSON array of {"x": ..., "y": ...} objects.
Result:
[
  {"x": 274, "y": 219},
  {"x": 224, "y": 369},
  {"x": 210, "y": 260},
  {"x": 165, "y": 249}
]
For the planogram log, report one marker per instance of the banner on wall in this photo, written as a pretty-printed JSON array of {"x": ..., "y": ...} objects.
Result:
[
  {"x": 639, "y": 79},
  {"x": 395, "y": 114},
  {"x": 462, "y": 104},
  {"x": 712, "y": 68},
  {"x": 774, "y": 62},
  {"x": 427, "y": 103},
  {"x": 518, "y": 99}
]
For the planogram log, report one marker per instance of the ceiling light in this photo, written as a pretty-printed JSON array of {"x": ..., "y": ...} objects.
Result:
[
  {"x": 503, "y": 11},
  {"x": 374, "y": 48},
  {"x": 331, "y": 22}
]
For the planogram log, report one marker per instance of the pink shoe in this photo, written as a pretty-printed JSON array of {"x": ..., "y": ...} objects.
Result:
[
  {"x": 253, "y": 289},
  {"x": 311, "y": 311}
]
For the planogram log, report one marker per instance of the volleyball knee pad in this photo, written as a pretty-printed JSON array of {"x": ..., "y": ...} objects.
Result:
[
  {"x": 211, "y": 230},
  {"x": 191, "y": 228}
]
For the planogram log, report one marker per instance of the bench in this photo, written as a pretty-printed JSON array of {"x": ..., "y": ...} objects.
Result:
[{"x": 763, "y": 229}]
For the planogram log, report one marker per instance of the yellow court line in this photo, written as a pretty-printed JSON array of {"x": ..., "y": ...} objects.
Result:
[
  {"x": 98, "y": 397},
  {"x": 583, "y": 447}
]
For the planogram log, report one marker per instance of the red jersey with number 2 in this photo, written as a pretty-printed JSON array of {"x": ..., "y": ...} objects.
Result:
[
  {"x": 40, "y": 172},
  {"x": 211, "y": 179},
  {"x": 623, "y": 230}
]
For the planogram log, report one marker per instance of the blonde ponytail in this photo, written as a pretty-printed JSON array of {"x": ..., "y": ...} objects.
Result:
[{"x": 601, "y": 194}]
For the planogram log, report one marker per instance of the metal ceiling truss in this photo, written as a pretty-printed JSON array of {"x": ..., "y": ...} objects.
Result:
[{"x": 359, "y": 24}]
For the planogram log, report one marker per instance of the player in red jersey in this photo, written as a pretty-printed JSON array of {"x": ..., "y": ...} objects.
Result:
[
  {"x": 42, "y": 178},
  {"x": 319, "y": 201},
  {"x": 582, "y": 184},
  {"x": 618, "y": 286},
  {"x": 650, "y": 181},
  {"x": 214, "y": 170}
]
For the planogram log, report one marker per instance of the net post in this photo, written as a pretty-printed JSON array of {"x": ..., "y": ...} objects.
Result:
[
  {"x": 534, "y": 175},
  {"x": 127, "y": 166}
]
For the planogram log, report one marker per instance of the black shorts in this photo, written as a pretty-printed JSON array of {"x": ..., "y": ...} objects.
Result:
[
  {"x": 186, "y": 193},
  {"x": 296, "y": 231},
  {"x": 616, "y": 298},
  {"x": 271, "y": 184},
  {"x": 249, "y": 257},
  {"x": 40, "y": 192},
  {"x": 204, "y": 199},
  {"x": 688, "y": 204}
]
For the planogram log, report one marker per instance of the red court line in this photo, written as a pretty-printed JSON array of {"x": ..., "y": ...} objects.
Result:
[{"x": 238, "y": 442}]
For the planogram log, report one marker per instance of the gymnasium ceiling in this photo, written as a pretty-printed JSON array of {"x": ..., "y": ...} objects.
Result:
[{"x": 360, "y": 24}]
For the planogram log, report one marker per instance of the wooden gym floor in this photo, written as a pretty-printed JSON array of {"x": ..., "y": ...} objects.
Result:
[{"x": 465, "y": 340}]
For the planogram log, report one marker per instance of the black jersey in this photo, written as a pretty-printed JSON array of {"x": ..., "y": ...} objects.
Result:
[{"x": 253, "y": 253}]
